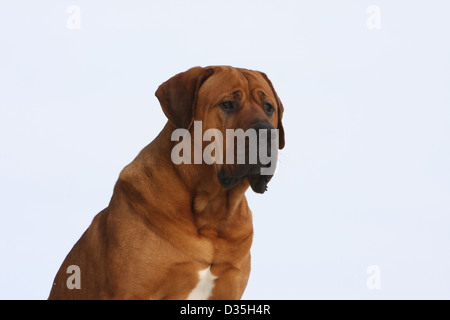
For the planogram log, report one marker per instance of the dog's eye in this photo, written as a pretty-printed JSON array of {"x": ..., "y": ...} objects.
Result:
[
  {"x": 227, "y": 106},
  {"x": 268, "y": 107}
]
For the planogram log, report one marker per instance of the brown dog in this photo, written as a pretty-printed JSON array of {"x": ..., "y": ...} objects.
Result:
[{"x": 179, "y": 231}]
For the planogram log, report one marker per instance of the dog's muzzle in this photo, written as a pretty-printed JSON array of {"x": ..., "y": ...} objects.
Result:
[{"x": 260, "y": 160}]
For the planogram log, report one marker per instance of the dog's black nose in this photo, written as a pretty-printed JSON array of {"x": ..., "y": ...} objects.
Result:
[
  {"x": 263, "y": 125},
  {"x": 264, "y": 134}
]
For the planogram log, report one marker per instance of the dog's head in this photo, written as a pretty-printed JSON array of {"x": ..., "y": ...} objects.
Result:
[{"x": 239, "y": 116}]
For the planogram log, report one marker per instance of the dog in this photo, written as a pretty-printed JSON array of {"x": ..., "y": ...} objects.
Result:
[{"x": 181, "y": 231}]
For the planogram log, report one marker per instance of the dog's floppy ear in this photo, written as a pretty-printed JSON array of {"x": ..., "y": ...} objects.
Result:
[
  {"x": 280, "y": 113},
  {"x": 178, "y": 95}
]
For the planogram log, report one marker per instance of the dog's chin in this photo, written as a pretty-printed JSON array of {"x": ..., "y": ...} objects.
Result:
[
  {"x": 227, "y": 181},
  {"x": 257, "y": 182}
]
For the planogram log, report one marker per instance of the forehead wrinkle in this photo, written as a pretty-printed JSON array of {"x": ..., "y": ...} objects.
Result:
[
  {"x": 261, "y": 89},
  {"x": 226, "y": 80},
  {"x": 250, "y": 77},
  {"x": 229, "y": 81}
]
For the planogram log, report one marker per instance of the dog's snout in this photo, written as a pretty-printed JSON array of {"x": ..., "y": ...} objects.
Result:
[
  {"x": 263, "y": 126},
  {"x": 264, "y": 133}
]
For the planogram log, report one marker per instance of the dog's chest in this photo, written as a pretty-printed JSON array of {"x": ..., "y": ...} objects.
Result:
[{"x": 204, "y": 287}]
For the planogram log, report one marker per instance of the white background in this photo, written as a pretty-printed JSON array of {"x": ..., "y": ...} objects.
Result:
[{"x": 364, "y": 178}]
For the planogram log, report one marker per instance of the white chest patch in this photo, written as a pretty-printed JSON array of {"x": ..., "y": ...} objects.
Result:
[{"x": 202, "y": 290}]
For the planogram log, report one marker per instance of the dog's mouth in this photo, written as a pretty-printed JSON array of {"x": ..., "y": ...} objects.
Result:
[
  {"x": 258, "y": 169},
  {"x": 258, "y": 182}
]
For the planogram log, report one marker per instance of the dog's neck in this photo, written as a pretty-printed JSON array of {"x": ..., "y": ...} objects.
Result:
[{"x": 197, "y": 185}]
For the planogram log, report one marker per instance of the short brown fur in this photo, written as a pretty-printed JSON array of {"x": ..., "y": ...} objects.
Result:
[{"x": 166, "y": 222}]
